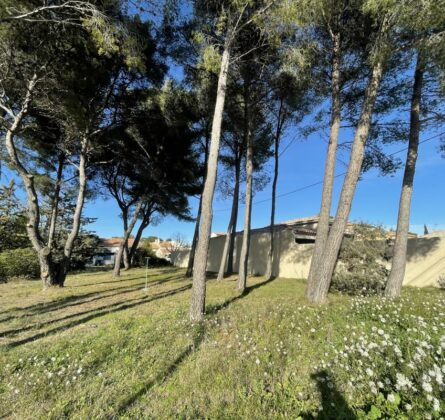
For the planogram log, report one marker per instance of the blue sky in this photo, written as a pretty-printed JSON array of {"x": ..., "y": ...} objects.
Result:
[{"x": 302, "y": 164}]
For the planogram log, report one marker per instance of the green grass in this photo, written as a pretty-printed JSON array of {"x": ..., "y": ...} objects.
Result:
[{"x": 105, "y": 348}]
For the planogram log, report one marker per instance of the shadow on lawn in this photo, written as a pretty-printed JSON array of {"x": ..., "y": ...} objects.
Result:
[
  {"x": 159, "y": 273},
  {"x": 164, "y": 375},
  {"x": 333, "y": 403},
  {"x": 212, "y": 309},
  {"x": 38, "y": 325},
  {"x": 75, "y": 300},
  {"x": 96, "y": 313}
]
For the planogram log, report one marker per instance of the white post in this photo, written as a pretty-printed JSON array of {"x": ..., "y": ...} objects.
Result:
[{"x": 146, "y": 274}]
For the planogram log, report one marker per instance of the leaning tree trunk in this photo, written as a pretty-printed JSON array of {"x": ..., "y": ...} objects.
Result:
[
  {"x": 33, "y": 210},
  {"x": 244, "y": 255},
  {"x": 269, "y": 268},
  {"x": 232, "y": 223},
  {"x": 191, "y": 260},
  {"x": 127, "y": 232},
  {"x": 69, "y": 244},
  {"x": 335, "y": 238},
  {"x": 197, "y": 305},
  {"x": 144, "y": 223},
  {"x": 395, "y": 280},
  {"x": 326, "y": 198}
]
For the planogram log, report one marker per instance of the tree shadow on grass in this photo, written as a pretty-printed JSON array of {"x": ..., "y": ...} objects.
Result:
[
  {"x": 121, "y": 280},
  {"x": 74, "y": 300},
  {"x": 334, "y": 404},
  {"x": 165, "y": 374},
  {"x": 96, "y": 313},
  {"x": 212, "y": 309}
]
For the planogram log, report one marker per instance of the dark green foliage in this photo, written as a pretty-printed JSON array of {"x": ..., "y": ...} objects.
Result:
[
  {"x": 141, "y": 255},
  {"x": 360, "y": 268},
  {"x": 85, "y": 248},
  {"x": 21, "y": 263},
  {"x": 12, "y": 220}
]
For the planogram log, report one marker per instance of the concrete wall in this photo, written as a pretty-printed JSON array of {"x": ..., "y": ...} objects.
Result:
[
  {"x": 426, "y": 260},
  {"x": 426, "y": 256},
  {"x": 291, "y": 260}
]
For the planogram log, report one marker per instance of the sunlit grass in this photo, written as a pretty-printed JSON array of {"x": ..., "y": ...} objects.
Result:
[{"x": 104, "y": 348}]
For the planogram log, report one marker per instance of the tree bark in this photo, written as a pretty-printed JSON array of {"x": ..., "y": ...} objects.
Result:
[
  {"x": 127, "y": 232},
  {"x": 72, "y": 236},
  {"x": 395, "y": 279},
  {"x": 197, "y": 306},
  {"x": 244, "y": 254},
  {"x": 144, "y": 223},
  {"x": 230, "y": 258},
  {"x": 335, "y": 237},
  {"x": 55, "y": 203},
  {"x": 191, "y": 260},
  {"x": 269, "y": 268},
  {"x": 33, "y": 210},
  {"x": 326, "y": 199},
  {"x": 232, "y": 223},
  {"x": 126, "y": 257}
]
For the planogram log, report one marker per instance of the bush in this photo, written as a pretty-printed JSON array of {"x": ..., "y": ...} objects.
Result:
[
  {"x": 154, "y": 261},
  {"x": 21, "y": 262},
  {"x": 360, "y": 269},
  {"x": 441, "y": 280}
]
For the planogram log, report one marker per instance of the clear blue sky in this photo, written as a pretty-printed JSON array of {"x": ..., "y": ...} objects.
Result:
[{"x": 302, "y": 164}]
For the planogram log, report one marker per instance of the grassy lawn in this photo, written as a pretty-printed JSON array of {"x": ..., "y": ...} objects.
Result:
[{"x": 105, "y": 348}]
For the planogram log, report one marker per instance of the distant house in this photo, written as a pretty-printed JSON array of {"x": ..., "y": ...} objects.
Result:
[
  {"x": 107, "y": 250},
  {"x": 163, "y": 249}
]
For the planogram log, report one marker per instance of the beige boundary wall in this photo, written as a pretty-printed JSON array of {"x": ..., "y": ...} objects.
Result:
[{"x": 426, "y": 256}]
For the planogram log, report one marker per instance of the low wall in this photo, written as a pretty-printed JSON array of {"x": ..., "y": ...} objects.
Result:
[{"x": 426, "y": 257}]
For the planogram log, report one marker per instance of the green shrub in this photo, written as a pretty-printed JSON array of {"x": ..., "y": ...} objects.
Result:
[
  {"x": 361, "y": 269},
  {"x": 142, "y": 253},
  {"x": 21, "y": 262}
]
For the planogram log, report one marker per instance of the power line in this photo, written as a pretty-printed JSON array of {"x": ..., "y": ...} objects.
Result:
[{"x": 305, "y": 187}]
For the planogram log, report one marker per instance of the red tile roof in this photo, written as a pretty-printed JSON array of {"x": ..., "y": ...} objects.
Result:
[{"x": 114, "y": 241}]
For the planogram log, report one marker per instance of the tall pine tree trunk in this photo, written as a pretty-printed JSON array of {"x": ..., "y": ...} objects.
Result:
[
  {"x": 191, "y": 260},
  {"x": 125, "y": 256},
  {"x": 335, "y": 237},
  {"x": 55, "y": 202},
  {"x": 269, "y": 268},
  {"x": 120, "y": 252},
  {"x": 326, "y": 199},
  {"x": 72, "y": 236},
  {"x": 231, "y": 252},
  {"x": 244, "y": 254},
  {"x": 232, "y": 222},
  {"x": 197, "y": 305},
  {"x": 395, "y": 280}
]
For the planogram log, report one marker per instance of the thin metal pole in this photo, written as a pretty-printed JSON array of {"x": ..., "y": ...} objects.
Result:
[{"x": 146, "y": 274}]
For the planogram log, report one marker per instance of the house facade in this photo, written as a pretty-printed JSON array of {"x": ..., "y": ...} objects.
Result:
[
  {"x": 107, "y": 250},
  {"x": 295, "y": 239}
]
